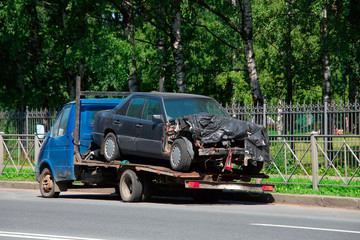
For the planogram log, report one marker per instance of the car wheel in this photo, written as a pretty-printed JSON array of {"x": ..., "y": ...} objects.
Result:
[
  {"x": 47, "y": 184},
  {"x": 252, "y": 169},
  {"x": 130, "y": 186},
  {"x": 180, "y": 159},
  {"x": 111, "y": 148}
]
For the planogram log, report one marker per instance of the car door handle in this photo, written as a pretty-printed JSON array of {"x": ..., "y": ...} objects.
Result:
[
  {"x": 139, "y": 125},
  {"x": 116, "y": 121}
]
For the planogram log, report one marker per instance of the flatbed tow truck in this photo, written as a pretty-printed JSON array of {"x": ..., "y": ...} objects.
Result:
[{"x": 65, "y": 157}]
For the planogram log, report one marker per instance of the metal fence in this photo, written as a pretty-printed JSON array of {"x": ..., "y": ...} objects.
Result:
[
  {"x": 18, "y": 153},
  {"x": 288, "y": 119},
  {"x": 17, "y": 122}
]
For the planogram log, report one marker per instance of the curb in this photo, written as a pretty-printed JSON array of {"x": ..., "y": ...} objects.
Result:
[{"x": 278, "y": 198}]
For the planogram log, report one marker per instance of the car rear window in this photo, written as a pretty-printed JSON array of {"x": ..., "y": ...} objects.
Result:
[{"x": 135, "y": 107}]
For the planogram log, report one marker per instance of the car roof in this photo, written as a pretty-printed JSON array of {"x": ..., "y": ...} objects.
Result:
[
  {"x": 99, "y": 101},
  {"x": 170, "y": 95}
]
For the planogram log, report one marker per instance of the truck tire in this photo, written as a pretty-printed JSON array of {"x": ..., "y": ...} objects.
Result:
[
  {"x": 111, "y": 148},
  {"x": 252, "y": 169},
  {"x": 47, "y": 184},
  {"x": 180, "y": 158},
  {"x": 130, "y": 186}
]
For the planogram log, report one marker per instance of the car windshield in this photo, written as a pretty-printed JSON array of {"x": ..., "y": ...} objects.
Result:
[{"x": 176, "y": 108}]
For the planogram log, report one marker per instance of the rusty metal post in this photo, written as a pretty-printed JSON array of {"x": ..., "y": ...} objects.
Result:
[
  {"x": 1, "y": 152},
  {"x": 315, "y": 163},
  {"x": 77, "y": 120}
]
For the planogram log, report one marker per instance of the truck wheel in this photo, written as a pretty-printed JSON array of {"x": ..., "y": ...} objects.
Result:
[
  {"x": 131, "y": 188},
  {"x": 47, "y": 184},
  {"x": 180, "y": 159},
  {"x": 111, "y": 148},
  {"x": 252, "y": 169}
]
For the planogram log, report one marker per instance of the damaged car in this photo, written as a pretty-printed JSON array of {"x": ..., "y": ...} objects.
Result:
[{"x": 184, "y": 129}]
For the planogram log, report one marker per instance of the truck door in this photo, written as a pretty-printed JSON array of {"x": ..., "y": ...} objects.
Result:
[
  {"x": 149, "y": 133},
  {"x": 59, "y": 146}
]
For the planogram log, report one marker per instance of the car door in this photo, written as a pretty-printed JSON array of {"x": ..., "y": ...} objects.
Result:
[
  {"x": 125, "y": 125},
  {"x": 149, "y": 133},
  {"x": 59, "y": 145}
]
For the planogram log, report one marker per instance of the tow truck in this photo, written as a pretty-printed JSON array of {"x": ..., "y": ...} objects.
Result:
[{"x": 68, "y": 160}]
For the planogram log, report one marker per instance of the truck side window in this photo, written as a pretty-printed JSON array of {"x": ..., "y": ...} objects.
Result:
[
  {"x": 135, "y": 107},
  {"x": 151, "y": 107},
  {"x": 59, "y": 127}
]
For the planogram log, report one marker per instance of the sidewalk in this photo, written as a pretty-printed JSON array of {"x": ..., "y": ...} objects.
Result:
[{"x": 277, "y": 198}]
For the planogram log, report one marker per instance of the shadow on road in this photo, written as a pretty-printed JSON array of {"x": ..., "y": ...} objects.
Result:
[{"x": 241, "y": 198}]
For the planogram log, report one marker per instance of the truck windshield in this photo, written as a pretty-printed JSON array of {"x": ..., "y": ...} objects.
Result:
[{"x": 176, "y": 108}]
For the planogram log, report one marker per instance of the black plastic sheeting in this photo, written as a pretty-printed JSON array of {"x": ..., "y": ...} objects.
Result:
[{"x": 210, "y": 128}]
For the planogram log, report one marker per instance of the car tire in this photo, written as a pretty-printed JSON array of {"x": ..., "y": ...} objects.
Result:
[
  {"x": 252, "y": 169},
  {"x": 180, "y": 158},
  {"x": 111, "y": 148},
  {"x": 130, "y": 186},
  {"x": 47, "y": 184}
]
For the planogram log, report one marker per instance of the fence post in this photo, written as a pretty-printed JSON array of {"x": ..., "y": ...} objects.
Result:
[
  {"x": 36, "y": 148},
  {"x": 1, "y": 152},
  {"x": 27, "y": 129},
  {"x": 264, "y": 113},
  {"x": 315, "y": 163},
  {"x": 326, "y": 131}
]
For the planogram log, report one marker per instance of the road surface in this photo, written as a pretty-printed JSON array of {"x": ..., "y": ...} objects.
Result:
[{"x": 26, "y": 215}]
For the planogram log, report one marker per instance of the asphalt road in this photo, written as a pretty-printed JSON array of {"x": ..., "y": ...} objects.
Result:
[{"x": 26, "y": 215}]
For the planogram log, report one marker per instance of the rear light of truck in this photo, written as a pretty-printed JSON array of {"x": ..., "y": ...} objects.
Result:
[
  {"x": 268, "y": 188},
  {"x": 194, "y": 184},
  {"x": 93, "y": 123}
]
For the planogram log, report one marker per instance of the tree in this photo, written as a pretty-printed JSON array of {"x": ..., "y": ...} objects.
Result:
[{"x": 246, "y": 33}]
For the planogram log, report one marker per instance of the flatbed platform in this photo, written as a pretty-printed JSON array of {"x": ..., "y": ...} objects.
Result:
[{"x": 161, "y": 170}]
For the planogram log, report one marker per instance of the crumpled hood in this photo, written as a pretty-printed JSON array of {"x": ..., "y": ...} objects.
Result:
[{"x": 210, "y": 128}]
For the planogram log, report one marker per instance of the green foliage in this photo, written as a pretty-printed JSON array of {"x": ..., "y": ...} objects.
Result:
[{"x": 44, "y": 46}]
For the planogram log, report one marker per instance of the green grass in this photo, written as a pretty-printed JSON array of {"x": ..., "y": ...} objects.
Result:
[
  {"x": 10, "y": 174},
  {"x": 304, "y": 186}
]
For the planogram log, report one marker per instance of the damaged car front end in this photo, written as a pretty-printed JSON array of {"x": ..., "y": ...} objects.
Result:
[{"x": 219, "y": 141}]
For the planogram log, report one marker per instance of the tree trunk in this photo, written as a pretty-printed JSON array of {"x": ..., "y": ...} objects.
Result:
[
  {"x": 354, "y": 84},
  {"x": 326, "y": 82},
  {"x": 161, "y": 51},
  {"x": 128, "y": 25},
  {"x": 289, "y": 57},
  {"x": 160, "y": 43},
  {"x": 247, "y": 36},
  {"x": 176, "y": 46}
]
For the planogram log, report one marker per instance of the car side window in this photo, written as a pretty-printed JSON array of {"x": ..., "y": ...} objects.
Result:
[
  {"x": 151, "y": 107},
  {"x": 59, "y": 127},
  {"x": 135, "y": 107}
]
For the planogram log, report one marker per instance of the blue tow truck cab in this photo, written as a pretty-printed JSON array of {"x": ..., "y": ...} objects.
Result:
[{"x": 57, "y": 151}]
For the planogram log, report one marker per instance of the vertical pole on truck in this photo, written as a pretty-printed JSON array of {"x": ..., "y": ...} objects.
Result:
[{"x": 77, "y": 157}]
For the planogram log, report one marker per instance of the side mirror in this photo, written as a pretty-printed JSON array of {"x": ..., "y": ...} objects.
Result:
[
  {"x": 158, "y": 118},
  {"x": 40, "y": 131}
]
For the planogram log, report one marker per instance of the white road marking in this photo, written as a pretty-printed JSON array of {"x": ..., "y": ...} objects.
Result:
[
  {"x": 306, "y": 228},
  {"x": 41, "y": 236}
]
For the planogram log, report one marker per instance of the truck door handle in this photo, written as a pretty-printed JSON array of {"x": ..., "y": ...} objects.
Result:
[
  {"x": 116, "y": 121},
  {"x": 139, "y": 125}
]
